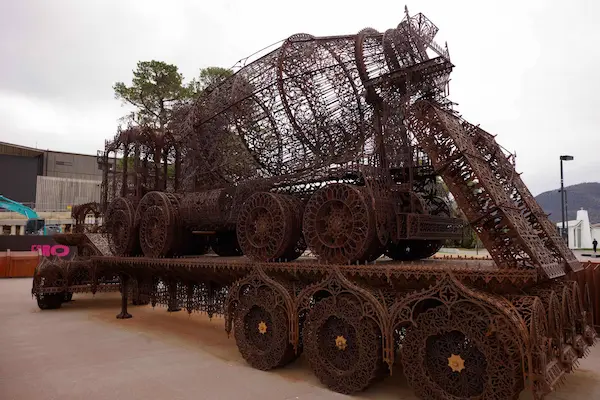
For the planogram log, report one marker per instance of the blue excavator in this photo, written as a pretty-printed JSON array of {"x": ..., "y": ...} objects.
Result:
[{"x": 34, "y": 225}]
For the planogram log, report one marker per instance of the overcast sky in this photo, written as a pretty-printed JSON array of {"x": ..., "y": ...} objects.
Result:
[{"x": 526, "y": 71}]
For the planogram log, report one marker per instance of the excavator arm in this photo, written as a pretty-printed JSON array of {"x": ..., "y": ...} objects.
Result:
[
  {"x": 12, "y": 205},
  {"x": 35, "y": 225}
]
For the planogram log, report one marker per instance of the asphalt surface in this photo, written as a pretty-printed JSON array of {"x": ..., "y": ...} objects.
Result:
[{"x": 82, "y": 351}]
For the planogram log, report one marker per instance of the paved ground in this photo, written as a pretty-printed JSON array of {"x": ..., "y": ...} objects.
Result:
[
  {"x": 452, "y": 252},
  {"x": 82, "y": 352}
]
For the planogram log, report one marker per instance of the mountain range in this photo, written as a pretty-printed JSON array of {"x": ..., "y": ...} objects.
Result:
[{"x": 583, "y": 195}]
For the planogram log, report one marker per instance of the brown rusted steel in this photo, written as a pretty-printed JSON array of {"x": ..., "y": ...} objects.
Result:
[
  {"x": 300, "y": 171},
  {"x": 87, "y": 217}
]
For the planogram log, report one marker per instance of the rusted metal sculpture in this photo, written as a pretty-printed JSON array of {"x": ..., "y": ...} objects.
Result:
[
  {"x": 87, "y": 217},
  {"x": 341, "y": 146}
]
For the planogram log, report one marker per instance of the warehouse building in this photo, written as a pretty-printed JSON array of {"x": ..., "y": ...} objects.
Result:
[{"x": 50, "y": 182}]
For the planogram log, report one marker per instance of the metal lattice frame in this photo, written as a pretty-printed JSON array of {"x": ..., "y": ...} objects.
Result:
[{"x": 337, "y": 144}]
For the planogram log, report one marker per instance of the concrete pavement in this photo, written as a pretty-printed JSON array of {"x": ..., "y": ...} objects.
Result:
[{"x": 82, "y": 352}]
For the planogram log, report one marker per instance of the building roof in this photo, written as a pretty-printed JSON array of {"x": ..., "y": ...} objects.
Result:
[
  {"x": 17, "y": 150},
  {"x": 24, "y": 151},
  {"x": 570, "y": 224}
]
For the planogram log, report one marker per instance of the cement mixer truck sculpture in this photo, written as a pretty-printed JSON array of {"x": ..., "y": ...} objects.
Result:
[{"x": 300, "y": 171}]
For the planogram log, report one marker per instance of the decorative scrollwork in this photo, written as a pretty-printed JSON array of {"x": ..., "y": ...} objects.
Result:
[
  {"x": 265, "y": 227},
  {"x": 297, "y": 244},
  {"x": 120, "y": 227},
  {"x": 339, "y": 224},
  {"x": 454, "y": 354},
  {"x": 157, "y": 224},
  {"x": 344, "y": 347},
  {"x": 261, "y": 330}
]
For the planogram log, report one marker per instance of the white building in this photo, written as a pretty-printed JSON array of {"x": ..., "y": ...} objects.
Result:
[{"x": 581, "y": 232}]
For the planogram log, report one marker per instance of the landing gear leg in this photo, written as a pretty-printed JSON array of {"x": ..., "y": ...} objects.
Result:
[
  {"x": 173, "y": 304},
  {"x": 124, "y": 289}
]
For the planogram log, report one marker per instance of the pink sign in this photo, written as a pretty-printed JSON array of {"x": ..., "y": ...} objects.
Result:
[{"x": 58, "y": 250}]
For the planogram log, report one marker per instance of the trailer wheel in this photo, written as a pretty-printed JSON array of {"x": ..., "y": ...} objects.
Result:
[
  {"x": 156, "y": 232},
  {"x": 264, "y": 226},
  {"x": 49, "y": 301},
  {"x": 339, "y": 224},
  {"x": 120, "y": 227},
  {"x": 342, "y": 345},
  {"x": 454, "y": 355},
  {"x": 261, "y": 331},
  {"x": 297, "y": 244}
]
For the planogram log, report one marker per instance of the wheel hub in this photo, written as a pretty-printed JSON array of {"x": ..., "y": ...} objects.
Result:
[
  {"x": 456, "y": 363},
  {"x": 341, "y": 343},
  {"x": 447, "y": 354},
  {"x": 262, "y": 327},
  {"x": 335, "y": 215},
  {"x": 262, "y": 226}
]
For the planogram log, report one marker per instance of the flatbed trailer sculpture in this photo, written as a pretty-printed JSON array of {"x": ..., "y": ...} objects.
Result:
[{"x": 336, "y": 145}]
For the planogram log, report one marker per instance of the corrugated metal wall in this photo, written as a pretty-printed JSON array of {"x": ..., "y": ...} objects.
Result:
[
  {"x": 74, "y": 166},
  {"x": 57, "y": 194}
]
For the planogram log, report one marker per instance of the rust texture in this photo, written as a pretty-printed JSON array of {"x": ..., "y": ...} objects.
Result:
[
  {"x": 87, "y": 217},
  {"x": 299, "y": 172}
]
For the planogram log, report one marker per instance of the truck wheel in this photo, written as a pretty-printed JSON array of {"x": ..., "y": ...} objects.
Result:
[
  {"x": 120, "y": 227},
  {"x": 265, "y": 226},
  {"x": 343, "y": 346},
  {"x": 339, "y": 224},
  {"x": 454, "y": 355},
  {"x": 297, "y": 244},
  {"x": 261, "y": 331},
  {"x": 49, "y": 301}
]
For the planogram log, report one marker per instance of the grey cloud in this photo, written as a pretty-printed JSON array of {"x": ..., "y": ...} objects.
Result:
[{"x": 524, "y": 70}]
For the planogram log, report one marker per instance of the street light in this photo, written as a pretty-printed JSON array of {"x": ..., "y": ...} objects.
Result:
[
  {"x": 566, "y": 210},
  {"x": 562, "y": 195}
]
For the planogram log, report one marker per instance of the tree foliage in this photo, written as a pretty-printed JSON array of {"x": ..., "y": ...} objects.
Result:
[
  {"x": 209, "y": 78},
  {"x": 155, "y": 88}
]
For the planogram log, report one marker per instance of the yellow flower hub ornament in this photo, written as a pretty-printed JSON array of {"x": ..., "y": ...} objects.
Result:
[
  {"x": 262, "y": 327},
  {"x": 341, "y": 343},
  {"x": 456, "y": 363}
]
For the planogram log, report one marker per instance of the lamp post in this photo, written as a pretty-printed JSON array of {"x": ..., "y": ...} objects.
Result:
[
  {"x": 562, "y": 195},
  {"x": 561, "y": 191}
]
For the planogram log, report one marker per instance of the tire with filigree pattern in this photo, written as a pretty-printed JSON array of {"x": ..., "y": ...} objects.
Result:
[
  {"x": 457, "y": 356},
  {"x": 343, "y": 346},
  {"x": 261, "y": 330},
  {"x": 297, "y": 244},
  {"x": 120, "y": 225},
  {"x": 265, "y": 226},
  {"x": 339, "y": 224}
]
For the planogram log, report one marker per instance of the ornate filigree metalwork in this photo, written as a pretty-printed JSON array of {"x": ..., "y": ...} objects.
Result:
[
  {"x": 343, "y": 345},
  {"x": 340, "y": 145}
]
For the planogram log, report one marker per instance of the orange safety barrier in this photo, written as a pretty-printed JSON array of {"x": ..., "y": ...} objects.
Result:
[{"x": 18, "y": 264}]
